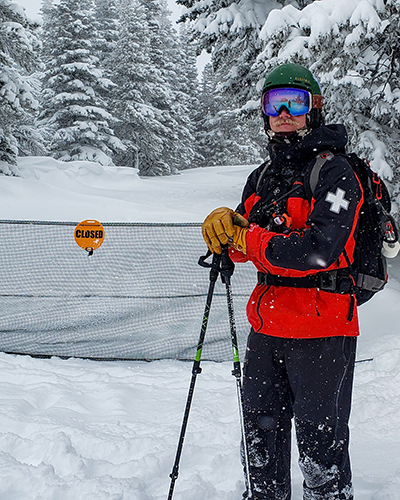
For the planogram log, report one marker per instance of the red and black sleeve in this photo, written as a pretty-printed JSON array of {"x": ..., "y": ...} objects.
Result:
[{"x": 328, "y": 233}]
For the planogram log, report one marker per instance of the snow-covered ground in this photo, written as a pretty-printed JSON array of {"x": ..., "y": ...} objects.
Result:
[
  {"x": 57, "y": 191},
  {"x": 77, "y": 429}
]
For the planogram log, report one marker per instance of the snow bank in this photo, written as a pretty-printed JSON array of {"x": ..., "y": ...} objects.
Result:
[{"x": 76, "y": 191}]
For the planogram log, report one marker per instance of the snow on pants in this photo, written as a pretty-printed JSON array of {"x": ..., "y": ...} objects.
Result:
[{"x": 310, "y": 380}]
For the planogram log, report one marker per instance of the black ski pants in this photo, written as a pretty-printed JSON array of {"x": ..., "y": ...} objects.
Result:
[{"x": 311, "y": 381}]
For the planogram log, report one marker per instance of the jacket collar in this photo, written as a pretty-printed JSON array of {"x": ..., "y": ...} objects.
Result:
[{"x": 294, "y": 152}]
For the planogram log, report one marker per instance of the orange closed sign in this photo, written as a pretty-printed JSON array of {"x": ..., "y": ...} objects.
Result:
[{"x": 89, "y": 235}]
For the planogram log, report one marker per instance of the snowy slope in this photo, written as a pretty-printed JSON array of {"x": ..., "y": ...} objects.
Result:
[
  {"x": 75, "y": 429},
  {"x": 53, "y": 190}
]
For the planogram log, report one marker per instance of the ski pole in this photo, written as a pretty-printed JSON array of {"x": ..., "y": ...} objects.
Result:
[
  {"x": 214, "y": 271},
  {"x": 227, "y": 268}
]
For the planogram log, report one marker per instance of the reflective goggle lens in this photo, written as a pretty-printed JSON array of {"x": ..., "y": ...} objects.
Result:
[{"x": 297, "y": 101}]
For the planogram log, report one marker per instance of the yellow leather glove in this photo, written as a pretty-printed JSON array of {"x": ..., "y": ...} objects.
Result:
[
  {"x": 219, "y": 227},
  {"x": 238, "y": 240}
]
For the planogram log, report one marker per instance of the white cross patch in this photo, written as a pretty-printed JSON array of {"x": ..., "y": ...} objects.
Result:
[{"x": 337, "y": 201}]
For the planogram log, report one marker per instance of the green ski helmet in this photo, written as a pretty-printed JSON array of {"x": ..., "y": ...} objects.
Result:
[{"x": 294, "y": 75}]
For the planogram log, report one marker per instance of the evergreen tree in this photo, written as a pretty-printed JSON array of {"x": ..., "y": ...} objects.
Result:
[
  {"x": 19, "y": 47},
  {"x": 174, "y": 76},
  {"x": 48, "y": 12},
  {"x": 230, "y": 30},
  {"x": 73, "y": 82},
  {"x": 188, "y": 100},
  {"x": 152, "y": 101},
  {"x": 223, "y": 137},
  {"x": 107, "y": 29},
  {"x": 139, "y": 125},
  {"x": 184, "y": 97},
  {"x": 209, "y": 135},
  {"x": 49, "y": 35},
  {"x": 165, "y": 79}
]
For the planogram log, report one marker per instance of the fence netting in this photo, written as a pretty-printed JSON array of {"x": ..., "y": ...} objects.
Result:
[{"x": 140, "y": 296}]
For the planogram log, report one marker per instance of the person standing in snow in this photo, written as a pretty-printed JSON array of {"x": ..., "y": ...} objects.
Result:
[{"x": 301, "y": 348}]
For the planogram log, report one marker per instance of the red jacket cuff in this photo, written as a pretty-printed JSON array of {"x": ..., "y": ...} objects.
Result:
[{"x": 257, "y": 240}]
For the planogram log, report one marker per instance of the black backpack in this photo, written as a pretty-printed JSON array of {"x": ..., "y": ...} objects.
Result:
[{"x": 375, "y": 226}]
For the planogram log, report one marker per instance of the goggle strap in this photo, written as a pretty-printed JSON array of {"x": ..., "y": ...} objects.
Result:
[{"x": 317, "y": 101}]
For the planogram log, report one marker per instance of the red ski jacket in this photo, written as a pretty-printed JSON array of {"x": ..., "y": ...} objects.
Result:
[{"x": 320, "y": 239}]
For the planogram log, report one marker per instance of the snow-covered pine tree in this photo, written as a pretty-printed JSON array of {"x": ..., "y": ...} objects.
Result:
[
  {"x": 384, "y": 103},
  {"x": 174, "y": 75},
  {"x": 19, "y": 47},
  {"x": 352, "y": 46},
  {"x": 223, "y": 138},
  {"x": 151, "y": 100},
  {"x": 73, "y": 108},
  {"x": 188, "y": 98},
  {"x": 229, "y": 30},
  {"x": 107, "y": 31},
  {"x": 180, "y": 72},
  {"x": 162, "y": 97},
  {"x": 139, "y": 127},
  {"x": 48, "y": 12},
  {"x": 48, "y": 36},
  {"x": 107, "y": 23},
  {"x": 209, "y": 136}
]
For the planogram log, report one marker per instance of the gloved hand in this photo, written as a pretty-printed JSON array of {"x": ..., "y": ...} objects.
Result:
[
  {"x": 219, "y": 227},
  {"x": 238, "y": 240}
]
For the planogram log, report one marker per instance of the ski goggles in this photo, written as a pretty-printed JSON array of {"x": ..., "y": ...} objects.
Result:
[{"x": 296, "y": 101}]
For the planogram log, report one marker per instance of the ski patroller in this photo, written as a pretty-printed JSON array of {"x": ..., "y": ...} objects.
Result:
[{"x": 221, "y": 264}]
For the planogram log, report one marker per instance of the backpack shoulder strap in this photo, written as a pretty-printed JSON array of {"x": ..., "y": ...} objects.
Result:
[
  {"x": 320, "y": 161},
  {"x": 260, "y": 179}
]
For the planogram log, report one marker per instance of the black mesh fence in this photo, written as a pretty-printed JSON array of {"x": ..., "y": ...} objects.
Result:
[{"x": 141, "y": 295}]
